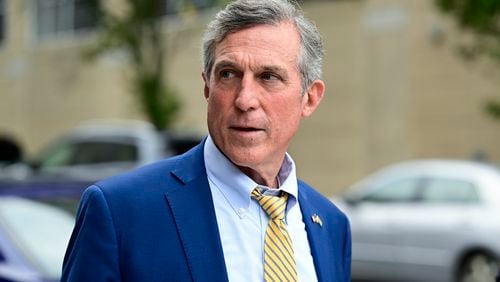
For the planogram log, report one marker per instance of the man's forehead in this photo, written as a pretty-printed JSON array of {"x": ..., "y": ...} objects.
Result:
[
  {"x": 281, "y": 42},
  {"x": 280, "y": 25},
  {"x": 284, "y": 35}
]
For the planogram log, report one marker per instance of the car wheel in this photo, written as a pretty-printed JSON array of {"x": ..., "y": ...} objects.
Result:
[{"x": 478, "y": 268}]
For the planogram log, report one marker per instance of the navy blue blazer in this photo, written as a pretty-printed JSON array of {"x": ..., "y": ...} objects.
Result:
[{"x": 158, "y": 223}]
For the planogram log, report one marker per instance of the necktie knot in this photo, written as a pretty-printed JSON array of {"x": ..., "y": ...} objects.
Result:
[
  {"x": 279, "y": 258},
  {"x": 274, "y": 206}
]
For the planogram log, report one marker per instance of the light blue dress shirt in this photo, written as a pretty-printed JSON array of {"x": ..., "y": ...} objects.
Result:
[{"x": 242, "y": 222}]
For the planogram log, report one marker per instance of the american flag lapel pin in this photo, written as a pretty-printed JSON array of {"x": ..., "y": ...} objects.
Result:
[{"x": 316, "y": 219}]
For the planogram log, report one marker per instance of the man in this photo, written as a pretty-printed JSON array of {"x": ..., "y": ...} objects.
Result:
[{"x": 231, "y": 208}]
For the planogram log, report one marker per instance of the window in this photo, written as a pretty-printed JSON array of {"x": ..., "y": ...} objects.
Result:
[
  {"x": 56, "y": 17},
  {"x": 89, "y": 153},
  {"x": 403, "y": 190},
  {"x": 95, "y": 153},
  {"x": 3, "y": 11},
  {"x": 450, "y": 191},
  {"x": 168, "y": 7}
]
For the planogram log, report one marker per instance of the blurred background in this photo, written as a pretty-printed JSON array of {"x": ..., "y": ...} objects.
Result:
[
  {"x": 397, "y": 87},
  {"x": 90, "y": 88}
]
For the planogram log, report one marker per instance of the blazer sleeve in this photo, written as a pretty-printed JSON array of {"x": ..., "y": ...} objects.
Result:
[{"x": 92, "y": 253}]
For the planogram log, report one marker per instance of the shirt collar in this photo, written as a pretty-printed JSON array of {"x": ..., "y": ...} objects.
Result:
[{"x": 237, "y": 186}]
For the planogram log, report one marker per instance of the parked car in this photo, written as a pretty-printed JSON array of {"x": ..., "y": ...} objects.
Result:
[
  {"x": 88, "y": 153},
  {"x": 33, "y": 239},
  {"x": 99, "y": 149},
  {"x": 428, "y": 220}
]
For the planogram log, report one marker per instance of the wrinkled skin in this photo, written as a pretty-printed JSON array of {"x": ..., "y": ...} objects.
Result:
[{"x": 255, "y": 101}]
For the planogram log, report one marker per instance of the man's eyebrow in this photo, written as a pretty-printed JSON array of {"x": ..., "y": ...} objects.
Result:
[
  {"x": 264, "y": 68},
  {"x": 224, "y": 64},
  {"x": 274, "y": 69}
]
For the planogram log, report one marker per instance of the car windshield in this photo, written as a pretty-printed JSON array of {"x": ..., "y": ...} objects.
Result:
[{"x": 40, "y": 231}]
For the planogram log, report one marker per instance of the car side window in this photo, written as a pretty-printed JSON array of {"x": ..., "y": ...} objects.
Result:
[
  {"x": 450, "y": 191},
  {"x": 60, "y": 156},
  {"x": 402, "y": 190},
  {"x": 84, "y": 153},
  {"x": 100, "y": 152}
]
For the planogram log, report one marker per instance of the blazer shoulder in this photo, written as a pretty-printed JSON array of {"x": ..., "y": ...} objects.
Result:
[{"x": 309, "y": 194}]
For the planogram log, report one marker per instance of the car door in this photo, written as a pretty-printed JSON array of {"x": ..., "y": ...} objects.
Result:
[
  {"x": 375, "y": 253},
  {"x": 431, "y": 230}
]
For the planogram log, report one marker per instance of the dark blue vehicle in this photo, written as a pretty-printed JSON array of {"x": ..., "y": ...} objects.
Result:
[{"x": 63, "y": 194}]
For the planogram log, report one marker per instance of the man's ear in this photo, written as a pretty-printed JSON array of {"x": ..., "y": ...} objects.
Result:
[
  {"x": 206, "y": 90},
  {"x": 312, "y": 98}
]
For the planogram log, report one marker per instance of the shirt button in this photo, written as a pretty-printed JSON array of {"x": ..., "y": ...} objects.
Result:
[{"x": 241, "y": 212}]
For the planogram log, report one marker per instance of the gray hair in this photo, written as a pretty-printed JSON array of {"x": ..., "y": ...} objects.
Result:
[{"x": 242, "y": 14}]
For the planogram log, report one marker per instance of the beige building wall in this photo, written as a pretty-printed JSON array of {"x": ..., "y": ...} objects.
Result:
[
  {"x": 47, "y": 88},
  {"x": 396, "y": 89}
]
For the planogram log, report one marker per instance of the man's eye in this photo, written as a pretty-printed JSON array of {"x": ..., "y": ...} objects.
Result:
[
  {"x": 225, "y": 74},
  {"x": 269, "y": 76}
]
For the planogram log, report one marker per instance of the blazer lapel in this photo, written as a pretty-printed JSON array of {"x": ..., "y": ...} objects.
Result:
[
  {"x": 192, "y": 208},
  {"x": 316, "y": 234}
]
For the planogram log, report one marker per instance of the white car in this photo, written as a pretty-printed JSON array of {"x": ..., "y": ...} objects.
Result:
[
  {"x": 428, "y": 220},
  {"x": 33, "y": 240}
]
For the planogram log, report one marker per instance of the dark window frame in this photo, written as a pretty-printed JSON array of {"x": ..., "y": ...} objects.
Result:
[
  {"x": 173, "y": 7},
  {"x": 3, "y": 22},
  {"x": 56, "y": 18}
]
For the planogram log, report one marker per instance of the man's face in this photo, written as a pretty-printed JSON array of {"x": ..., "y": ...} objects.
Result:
[{"x": 254, "y": 95}]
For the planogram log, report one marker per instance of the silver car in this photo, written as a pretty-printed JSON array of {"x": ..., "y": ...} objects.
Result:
[{"x": 429, "y": 220}]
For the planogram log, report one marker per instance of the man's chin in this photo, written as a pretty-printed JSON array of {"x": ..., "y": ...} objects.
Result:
[{"x": 243, "y": 158}]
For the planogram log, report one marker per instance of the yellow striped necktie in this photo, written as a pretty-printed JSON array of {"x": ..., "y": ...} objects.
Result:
[{"x": 279, "y": 260}]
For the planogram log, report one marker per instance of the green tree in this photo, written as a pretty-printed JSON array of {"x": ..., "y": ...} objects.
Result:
[
  {"x": 139, "y": 33},
  {"x": 482, "y": 19}
]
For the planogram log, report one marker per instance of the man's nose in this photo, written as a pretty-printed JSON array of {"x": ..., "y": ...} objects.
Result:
[{"x": 247, "y": 96}]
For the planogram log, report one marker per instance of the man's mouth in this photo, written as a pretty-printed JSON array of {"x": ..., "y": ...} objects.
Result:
[{"x": 245, "y": 128}]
